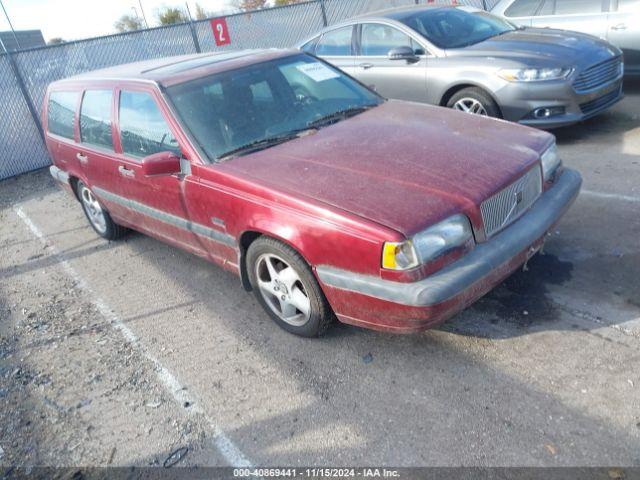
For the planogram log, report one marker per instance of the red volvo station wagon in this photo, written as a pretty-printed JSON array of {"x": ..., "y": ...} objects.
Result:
[{"x": 324, "y": 198}]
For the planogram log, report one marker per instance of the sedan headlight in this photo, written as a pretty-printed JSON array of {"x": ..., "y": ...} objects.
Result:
[
  {"x": 550, "y": 162},
  {"x": 534, "y": 74},
  {"x": 427, "y": 245}
]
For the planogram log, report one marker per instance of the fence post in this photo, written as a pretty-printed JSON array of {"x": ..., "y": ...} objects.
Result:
[
  {"x": 484, "y": 5},
  {"x": 324, "y": 13},
  {"x": 194, "y": 36},
  {"x": 25, "y": 92}
]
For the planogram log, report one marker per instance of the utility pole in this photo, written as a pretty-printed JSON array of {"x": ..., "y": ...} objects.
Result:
[
  {"x": 144, "y": 17},
  {"x": 15, "y": 37}
]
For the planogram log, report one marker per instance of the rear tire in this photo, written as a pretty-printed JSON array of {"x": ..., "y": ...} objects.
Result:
[
  {"x": 474, "y": 100},
  {"x": 98, "y": 217},
  {"x": 287, "y": 289}
]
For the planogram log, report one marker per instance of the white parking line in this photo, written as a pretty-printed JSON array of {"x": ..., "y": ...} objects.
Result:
[
  {"x": 611, "y": 196},
  {"x": 224, "y": 445}
]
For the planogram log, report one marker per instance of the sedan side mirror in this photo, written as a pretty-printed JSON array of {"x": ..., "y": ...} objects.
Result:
[
  {"x": 161, "y": 163},
  {"x": 402, "y": 53}
]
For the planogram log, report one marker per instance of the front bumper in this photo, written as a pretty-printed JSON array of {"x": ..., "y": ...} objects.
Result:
[
  {"x": 407, "y": 307},
  {"x": 518, "y": 100}
]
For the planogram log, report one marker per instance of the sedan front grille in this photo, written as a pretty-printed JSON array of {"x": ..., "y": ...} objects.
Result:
[
  {"x": 598, "y": 75},
  {"x": 508, "y": 204},
  {"x": 600, "y": 102}
]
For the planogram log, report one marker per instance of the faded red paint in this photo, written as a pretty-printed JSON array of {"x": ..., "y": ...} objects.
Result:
[{"x": 335, "y": 196}]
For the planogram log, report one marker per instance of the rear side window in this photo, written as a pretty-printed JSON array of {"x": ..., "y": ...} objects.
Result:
[
  {"x": 568, "y": 7},
  {"x": 522, "y": 8},
  {"x": 336, "y": 43},
  {"x": 143, "y": 129},
  {"x": 61, "y": 113},
  {"x": 95, "y": 118}
]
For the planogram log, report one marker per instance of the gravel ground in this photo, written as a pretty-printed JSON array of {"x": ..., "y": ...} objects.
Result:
[{"x": 120, "y": 353}]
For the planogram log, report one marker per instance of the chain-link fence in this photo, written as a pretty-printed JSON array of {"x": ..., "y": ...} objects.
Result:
[{"x": 24, "y": 75}]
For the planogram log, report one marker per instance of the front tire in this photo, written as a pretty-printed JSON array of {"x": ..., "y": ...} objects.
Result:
[
  {"x": 98, "y": 217},
  {"x": 474, "y": 100},
  {"x": 286, "y": 288}
]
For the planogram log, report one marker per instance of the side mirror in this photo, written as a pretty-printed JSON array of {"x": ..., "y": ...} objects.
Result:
[
  {"x": 402, "y": 53},
  {"x": 161, "y": 163}
]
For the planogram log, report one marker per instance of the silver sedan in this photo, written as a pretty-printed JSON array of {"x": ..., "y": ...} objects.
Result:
[{"x": 470, "y": 60}]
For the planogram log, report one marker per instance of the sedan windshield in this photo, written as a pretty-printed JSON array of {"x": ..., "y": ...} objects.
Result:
[
  {"x": 456, "y": 28},
  {"x": 253, "y": 108}
]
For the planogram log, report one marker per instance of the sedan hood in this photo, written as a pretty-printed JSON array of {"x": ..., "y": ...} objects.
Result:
[
  {"x": 402, "y": 165},
  {"x": 545, "y": 46}
]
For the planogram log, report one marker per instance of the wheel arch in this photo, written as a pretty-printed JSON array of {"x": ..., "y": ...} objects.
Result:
[
  {"x": 250, "y": 235},
  {"x": 452, "y": 90}
]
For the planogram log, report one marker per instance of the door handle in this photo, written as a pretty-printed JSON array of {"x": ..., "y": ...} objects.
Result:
[
  {"x": 126, "y": 172},
  {"x": 82, "y": 158},
  {"x": 620, "y": 26},
  {"x": 366, "y": 66}
]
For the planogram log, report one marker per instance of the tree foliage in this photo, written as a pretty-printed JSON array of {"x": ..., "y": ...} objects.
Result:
[
  {"x": 201, "y": 13},
  {"x": 279, "y": 3},
  {"x": 248, "y": 5},
  {"x": 56, "y": 41},
  {"x": 128, "y": 23},
  {"x": 171, "y": 15}
]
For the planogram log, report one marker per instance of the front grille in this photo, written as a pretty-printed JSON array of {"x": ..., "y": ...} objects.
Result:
[
  {"x": 598, "y": 75},
  {"x": 508, "y": 204},
  {"x": 598, "y": 103}
]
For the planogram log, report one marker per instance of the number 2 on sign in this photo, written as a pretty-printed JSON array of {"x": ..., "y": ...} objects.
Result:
[{"x": 220, "y": 31}]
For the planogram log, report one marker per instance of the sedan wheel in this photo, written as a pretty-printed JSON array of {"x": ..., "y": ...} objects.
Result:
[
  {"x": 470, "y": 105},
  {"x": 282, "y": 290},
  {"x": 474, "y": 100}
]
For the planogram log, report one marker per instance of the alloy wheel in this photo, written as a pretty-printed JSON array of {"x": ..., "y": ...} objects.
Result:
[
  {"x": 282, "y": 289},
  {"x": 93, "y": 209},
  {"x": 470, "y": 105}
]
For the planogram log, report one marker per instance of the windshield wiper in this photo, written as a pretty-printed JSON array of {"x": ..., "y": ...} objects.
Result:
[
  {"x": 339, "y": 115},
  {"x": 262, "y": 144}
]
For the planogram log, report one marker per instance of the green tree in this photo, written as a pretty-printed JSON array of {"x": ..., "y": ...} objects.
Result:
[
  {"x": 279, "y": 3},
  {"x": 201, "y": 13},
  {"x": 248, "y": 5},
  {"x": 128, "y": 23},
  {"x": 171, "y": 15}
]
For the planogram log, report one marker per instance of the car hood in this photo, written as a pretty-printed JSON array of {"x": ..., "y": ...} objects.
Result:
[
  {"x": 402, "y": 165},
  {"x": 542, "y": 46}
]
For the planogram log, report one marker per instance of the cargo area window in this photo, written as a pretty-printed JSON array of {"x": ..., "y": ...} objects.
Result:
[
  {"x": 95, "y": 118},
  {"x": 143, "y": 130},
  {"x": 61, "y": 113}
]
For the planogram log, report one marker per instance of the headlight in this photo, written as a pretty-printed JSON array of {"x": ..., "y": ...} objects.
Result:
[
  {"x": 534, "y": 74},
  {"x": 550, "y": 162},
  {"x": 437, "y": 240},
  {"x": 427, "y": 245},
  {"x": 399, "y": 256}
]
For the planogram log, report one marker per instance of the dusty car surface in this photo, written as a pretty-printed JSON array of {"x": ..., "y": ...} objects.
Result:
[
  {"x": 471, "y": 60},
  {"x": 325, "y": 199}
]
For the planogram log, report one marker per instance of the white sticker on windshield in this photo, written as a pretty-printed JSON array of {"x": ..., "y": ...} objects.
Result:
[{"x": 317, "y": 71}]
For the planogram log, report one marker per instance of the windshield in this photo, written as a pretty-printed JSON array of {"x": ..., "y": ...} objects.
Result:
[
  {"x": 456, "y": 28},
  {"x": 255, "y": 107}
]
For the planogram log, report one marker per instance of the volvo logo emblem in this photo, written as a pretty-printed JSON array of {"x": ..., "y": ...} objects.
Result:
[{"x": 518, "y": 196}]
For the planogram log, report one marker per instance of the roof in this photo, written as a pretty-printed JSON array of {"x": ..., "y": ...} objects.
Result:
[
  {"x": 172, "y": 70},
  {"x": 398, "y": 13}
]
